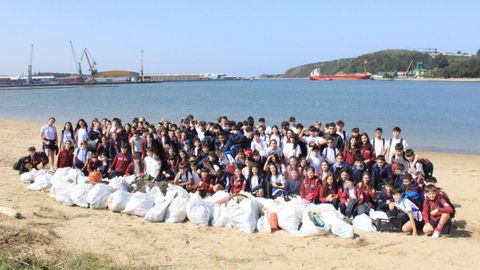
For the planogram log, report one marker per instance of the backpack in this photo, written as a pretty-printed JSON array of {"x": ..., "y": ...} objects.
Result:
[
  {"x": 391, "y": 140},
  {"x": 427, "y": 167},
  {"x": 416, "y": 198},
  {"x": 383, "y": 142}
]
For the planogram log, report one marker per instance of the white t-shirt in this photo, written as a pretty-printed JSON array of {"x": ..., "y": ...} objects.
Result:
[
  {"x": 290, "y": 151},
  {"x": 418, "y": 169},
  {"x": 277, "y": 178},
  {"x": 260, "y": 146},
  {"x": 82, "y": 135},
  {"x": 254, "y": 181},
  {"x": 391, "y": 145},
  {"x": 137, "y": 143},
  {"x": 380, "y": 145},
  {"x": 82, "y": 154},
  {"x": 406, "y": 206},
  {"x": 49, "y": 132},
  {"x": 152, "y": 167},
  {"x": 315, "y": 163},
  {"x": 330, "y": 154},
  {"x": 67, "y": 136}
]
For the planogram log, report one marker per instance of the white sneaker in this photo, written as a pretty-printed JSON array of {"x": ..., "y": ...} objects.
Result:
[{"x": 436, "y": 234}]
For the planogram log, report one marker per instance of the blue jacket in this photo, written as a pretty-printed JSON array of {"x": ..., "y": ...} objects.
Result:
[{"x": 379, "y": 175}]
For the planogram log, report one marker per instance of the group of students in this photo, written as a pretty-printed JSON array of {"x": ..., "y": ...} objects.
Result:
[{"x": 320, "y": 164}]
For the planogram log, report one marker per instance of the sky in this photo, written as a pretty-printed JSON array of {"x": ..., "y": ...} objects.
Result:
[{"x": 244, "y": 38}]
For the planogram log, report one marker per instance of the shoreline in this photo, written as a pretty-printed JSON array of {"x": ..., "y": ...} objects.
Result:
[
  {"x": 417, "y": 149},
  {"x": 409, "y": 80}
]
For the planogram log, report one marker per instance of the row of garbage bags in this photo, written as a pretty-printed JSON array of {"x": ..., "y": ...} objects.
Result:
[{"x": 243, "y": 212}]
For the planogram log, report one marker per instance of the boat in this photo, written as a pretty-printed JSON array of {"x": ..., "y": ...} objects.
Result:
[{"x": 316, "y": 75}]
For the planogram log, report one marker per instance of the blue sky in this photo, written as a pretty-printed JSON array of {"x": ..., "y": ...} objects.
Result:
[{"x": 233, "y": 37}]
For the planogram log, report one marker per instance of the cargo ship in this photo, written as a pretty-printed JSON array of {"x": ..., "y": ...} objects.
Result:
[{"x": 316, "y": 75}]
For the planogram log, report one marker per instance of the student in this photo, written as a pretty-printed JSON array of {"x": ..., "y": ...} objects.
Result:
[
  {"x": 93, "y": 163},
  {"x": 399, "y": 157},
  {"x": 366, "y": 186},
  {"x": 292, "y": 184},
  {"x": 195, "y": 173},
  {"x": 81, "y": 132},
  {"x": 207, "y": 182},
  {"x": 325, "y": 169},
  {"x": 353, "y": 201},
  {"x": 184, "y": 177},
  {"x": 81, "y": 157},
  {"x": 292, "y": 166},
  {"x": 310, "y": 187},
  {"x": 314, "y": 159},
  {"x": 330, "y": 152},
  {"x": 409, "y": 185},
  {"x": 337, "y": 139},
  {"x": 385, "y": 197},
  {"x": 367, "y": 150},
  {"x": 275, "y": 180},
  {"x": 379, "y": 143},
  {"x": 351, "y": 151},
  {"x": 436, "y": 211},
  {"x": 359, "y": 169},
  {"x": 65, "y": 157},
  {"x": 380, "y": 172},
  {"x": 398, "y": 175},
  {"x": 120, "y": 162},
  {"x": 340, "y": 131},
  {"x": 105, "y": 165},
  {"x": 330, "y": 191},
  {"x": 394, "y": 141},
  {"x": 136, "y": 144},
  {"x": 107, "y": 148},
  {"x": 415, "y": 219},
  {"x": 259, "y": 145},
  {"x": 136, "y": 167},
  {"x": 415, "y": 168},
  {"x": 237, "y": 182},
  {"x": 67, "y": 134},
  {"x": 339, "y": 166},
  {"x": 48, "y": 134},
  {"x": 256, "y": 182}
]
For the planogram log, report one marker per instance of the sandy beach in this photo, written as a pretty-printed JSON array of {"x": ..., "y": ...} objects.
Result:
[{"x": 132, "y": 242}]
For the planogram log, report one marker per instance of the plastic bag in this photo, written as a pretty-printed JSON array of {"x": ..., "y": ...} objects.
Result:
[
  {"x": 60, "y": 191},
  {"x": 72, "y": 174},
  {"x": 312, "y": 223},
  {"x": 290, "y": 215},
  {"x": 177, "y": 210},
  {"x": 219, "y": 215},
  {"x": 41, "y": 182},
  {"x": 157, "y": 213},
  {"x": 118, "y": 183},
  {"x": 263, "y": 224},
  {"x": 377, "y": 214},
  {"x": 157, "y": 194},
  {"x": 363, "y": 222},
  {"x": 339, "y": 227},
  {"x": 81, "y": 179},
  {"x": 98, "y": 196},
  {"x": 27, "y": 177},
  {"x": 79, "y": 194},
  {"x": 139, "y": 204},
  {"x": 118, "y": 200},
  {"x": 242, "y": 215},
  {"x": 219, "y": 197},
  {"x": 198, "y": 211}
]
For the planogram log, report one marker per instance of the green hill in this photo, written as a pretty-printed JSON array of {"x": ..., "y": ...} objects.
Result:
[{"x": 438, "y": 65}]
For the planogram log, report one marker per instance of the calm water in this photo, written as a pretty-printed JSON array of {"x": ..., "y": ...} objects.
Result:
[{"x": 433, "y": 115}]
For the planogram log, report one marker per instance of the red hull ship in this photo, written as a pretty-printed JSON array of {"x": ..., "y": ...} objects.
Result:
[{"x": 315, "y": 75}]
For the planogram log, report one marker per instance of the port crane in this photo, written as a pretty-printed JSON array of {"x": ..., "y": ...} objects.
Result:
[
  {"x": 77, "y": 63},
  {"x": 29, "y": 78},
  {"x": 91, "y": 63},
  {"x": 408, "y": 68}
]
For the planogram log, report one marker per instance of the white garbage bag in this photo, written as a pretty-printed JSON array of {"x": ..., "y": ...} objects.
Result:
[
  {"x": 219, "y": 215},
  {"x": 312, "y": 223},
  {"x": 98, "y": 196},
  {"x": 118, "y": 200},
  {"x": 79, "y": 194},
  {"x": 139, "y": 204},
  {"x": 81, "y": 179},
  {"x": 118, "y": 183},
  {"x": 338, "y": 226},
  {"x": 157, "y": 194},
  {"x": 130, "y": 179},
  {"x": 363, "y": 222},
  {"x": 377, "y": 214},
  {"x": 60, "y": 191},
  {"x": 27, "y": 177},
  {"x": 198, "y": 211},
  {"x": 177, "y": 210},
  {"x": 72, "y": 174},
  {"x": 263, "y": 224},
  {"x": 242, "y": 215},
  {"x": 219, "y": 197},
  {"x": 41, "y": 182},
  {"x": 290, "y": 215}
]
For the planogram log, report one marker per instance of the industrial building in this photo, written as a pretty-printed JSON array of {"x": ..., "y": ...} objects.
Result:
[
  {"x": 158, "y": 77},
  {"x": 116, "y": 76}
]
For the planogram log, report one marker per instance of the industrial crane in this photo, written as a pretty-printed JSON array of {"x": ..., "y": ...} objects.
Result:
[
  {"x": 91, "y": 63},
  {"x": 29, "y": 78},
  {"x": 79, "y": 67}
]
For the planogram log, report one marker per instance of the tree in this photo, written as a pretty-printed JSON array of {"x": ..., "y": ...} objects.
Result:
[{"x": 478, "y": 52}]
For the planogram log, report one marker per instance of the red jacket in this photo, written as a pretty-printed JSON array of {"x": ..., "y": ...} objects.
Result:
[
  {"x": 65, "y": 158},
  {"x": 371, "y": 194},
  {"x": 120, "y": 163},
  {"x": 237, "y": 184},
  {"x": 360, "y": 194},
  {"x": 209, "y": 183},
  {"x": 350, "y": 156},
  {"x": 325, "y": 192},
  {"x": 438, "y": 203},
  {"x": 309, "y": 186},
  {"x": 368, "y": 153},
  {"x": 93, "y": 166}
]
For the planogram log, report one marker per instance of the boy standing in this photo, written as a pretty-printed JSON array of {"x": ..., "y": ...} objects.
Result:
[
  {"x": 379, "y": 143},
  {"x": 394, "y": 141}
]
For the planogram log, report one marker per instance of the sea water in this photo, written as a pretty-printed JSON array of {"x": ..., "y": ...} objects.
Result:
[{"x": 442, "y": 116}]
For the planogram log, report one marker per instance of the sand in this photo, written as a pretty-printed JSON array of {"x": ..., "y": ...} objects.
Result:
[{"x": 131, "y": 241}]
